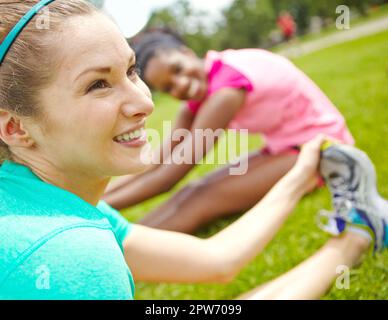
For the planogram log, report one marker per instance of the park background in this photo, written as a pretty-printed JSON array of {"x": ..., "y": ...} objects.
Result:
[{"x": 353, "y": 73}]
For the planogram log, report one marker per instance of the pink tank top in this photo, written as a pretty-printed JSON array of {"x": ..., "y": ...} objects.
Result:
[{"x": 282, "y": 103}]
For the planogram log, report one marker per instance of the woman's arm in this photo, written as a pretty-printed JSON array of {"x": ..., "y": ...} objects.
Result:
[
  {"x": 216, "y": 113},
  {"x": 156, "y": 255}
]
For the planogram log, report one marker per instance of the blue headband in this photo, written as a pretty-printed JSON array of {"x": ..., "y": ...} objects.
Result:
[{"x": 11, "y": 37}]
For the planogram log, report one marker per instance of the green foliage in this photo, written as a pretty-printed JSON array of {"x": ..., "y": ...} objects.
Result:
[
  {"x": 190, "y": 23},
  {"x": 354, "y": 76},
  {"x": 247, "y": 23}
]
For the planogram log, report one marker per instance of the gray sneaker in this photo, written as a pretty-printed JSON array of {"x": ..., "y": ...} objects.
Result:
[{"x": 351, "y": 178}]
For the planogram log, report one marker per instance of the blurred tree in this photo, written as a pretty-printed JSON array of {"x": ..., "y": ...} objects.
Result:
[
  {"x": 360, "y": 5},
  {"x": 163, "y": 18},
  {"x": 246, "y": 23},
  {"x": 190, "y": 23}
]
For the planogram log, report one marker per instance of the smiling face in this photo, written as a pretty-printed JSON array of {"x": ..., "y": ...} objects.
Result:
[
  {"x": 177, "y": 72},
  {"x": 96, "y": 106}
]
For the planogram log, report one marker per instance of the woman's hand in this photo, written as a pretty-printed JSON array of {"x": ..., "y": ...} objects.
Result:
[{"x": 306, "y": 168}]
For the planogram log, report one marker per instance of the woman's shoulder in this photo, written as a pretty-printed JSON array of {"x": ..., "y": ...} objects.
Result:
[
  {"x": 29, "y": 225},
  {"x": 225, "y": 73},
  {"x": 32, "y": 241},
  {"x": 77, "y": 256},
  {"x": 23, "y": 234}
]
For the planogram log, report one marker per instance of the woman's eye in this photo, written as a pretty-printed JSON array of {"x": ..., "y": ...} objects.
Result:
[
  {"x": 100, "y": 84},
  {"x": 133, "y": 72},
  {"x": 177, "y": 68}
]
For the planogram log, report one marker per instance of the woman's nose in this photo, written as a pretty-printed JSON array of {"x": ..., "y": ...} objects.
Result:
[
  {"x": 181, "y": 85},
  {"x": 139, "y": 102}
]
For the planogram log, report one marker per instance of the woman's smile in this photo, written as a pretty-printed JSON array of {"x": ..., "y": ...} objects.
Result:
[{"x": 133, "y": 138}]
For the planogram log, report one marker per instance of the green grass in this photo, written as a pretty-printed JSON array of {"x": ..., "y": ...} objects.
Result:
[{"x": 354, "y": 76}]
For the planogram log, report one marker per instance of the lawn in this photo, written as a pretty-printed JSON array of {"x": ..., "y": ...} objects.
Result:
[{"x": 354, "y": 75}]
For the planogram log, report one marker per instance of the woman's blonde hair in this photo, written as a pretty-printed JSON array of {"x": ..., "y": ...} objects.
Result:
[{"x": 29, "y": 64}]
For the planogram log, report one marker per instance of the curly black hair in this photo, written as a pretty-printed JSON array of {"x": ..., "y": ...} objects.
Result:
[{"x": 153, "y": 40}]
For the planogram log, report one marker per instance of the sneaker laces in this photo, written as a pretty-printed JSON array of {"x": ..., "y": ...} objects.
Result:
[{"x": 334, "y": 222}]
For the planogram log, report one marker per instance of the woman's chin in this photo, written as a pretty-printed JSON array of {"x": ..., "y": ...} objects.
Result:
[
  {"x": 140, "y": 168},
  {"x": 136, "y": 164},
  {"x": 129, "y": 169}
]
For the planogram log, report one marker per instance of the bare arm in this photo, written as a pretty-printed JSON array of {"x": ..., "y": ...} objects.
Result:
[
  {"x": 216, "y": 113},
  {"x": 157, "y": 255}
]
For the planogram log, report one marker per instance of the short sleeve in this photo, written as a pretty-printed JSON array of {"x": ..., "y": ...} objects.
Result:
[
  {"x": 81, "y": 263},
  {"x": 121, "y": 227},
  {"x": 222, "y": 76}
]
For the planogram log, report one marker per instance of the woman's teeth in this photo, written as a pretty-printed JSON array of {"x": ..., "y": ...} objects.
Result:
[{"x": 130, "y": 136}]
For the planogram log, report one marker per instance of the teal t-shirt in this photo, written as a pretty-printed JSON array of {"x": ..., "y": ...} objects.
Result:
[{"x": 54, "y": 245}]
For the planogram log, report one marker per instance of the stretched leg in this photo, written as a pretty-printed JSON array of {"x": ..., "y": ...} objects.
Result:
[
  {"x": 220, "y": 194},
  {"x": 314, "y": 277},
  {"x": 344, "y": 168}
]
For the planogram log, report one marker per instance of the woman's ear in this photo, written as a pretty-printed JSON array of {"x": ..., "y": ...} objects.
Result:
[{"x": 12, "y": 130}]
